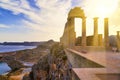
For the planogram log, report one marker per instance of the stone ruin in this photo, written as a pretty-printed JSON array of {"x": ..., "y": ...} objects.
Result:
[{"x": 69, "y": 39}]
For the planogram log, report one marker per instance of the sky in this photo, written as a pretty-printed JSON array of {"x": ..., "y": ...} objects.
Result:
[{"x": 41, "y": 20}]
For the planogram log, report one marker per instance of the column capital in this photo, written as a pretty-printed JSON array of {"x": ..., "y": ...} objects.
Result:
[
  {"x": 96, "y": 18},
  {"x": 106, "y": 19}
]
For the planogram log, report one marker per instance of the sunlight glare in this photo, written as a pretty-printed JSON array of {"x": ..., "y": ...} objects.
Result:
[
  {"x": 78, "y": 26},
  {"x": 105, "y": 8}
]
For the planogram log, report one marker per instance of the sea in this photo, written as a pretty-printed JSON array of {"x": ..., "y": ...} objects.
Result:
[{"x": 4, "y": 68}]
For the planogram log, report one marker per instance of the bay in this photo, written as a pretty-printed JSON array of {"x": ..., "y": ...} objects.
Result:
[
  {"x": 4, "y": 68},
  {"x": 8, "y": 48}
]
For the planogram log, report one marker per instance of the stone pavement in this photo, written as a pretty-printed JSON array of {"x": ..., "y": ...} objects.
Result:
[
  {"x": 110, "y": 60},
  {"x": 94, "y": 73},
  {"x": 106, "y": 59}
]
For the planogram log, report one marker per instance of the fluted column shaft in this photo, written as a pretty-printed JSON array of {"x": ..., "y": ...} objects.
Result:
[
  {"x": 95, "y": 40},
  {"x": 84, "y": 32},
  {"x": 106, "y": 33}
]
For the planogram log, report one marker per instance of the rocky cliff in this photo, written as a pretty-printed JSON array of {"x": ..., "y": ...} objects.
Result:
[
  {"x": 16, "y": 61},
  {"x": 53, "y": 66}
]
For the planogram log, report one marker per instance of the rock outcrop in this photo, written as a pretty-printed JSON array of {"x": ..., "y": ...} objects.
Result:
[
  {"x": 53, "y": 66},
  {"x": 33, "y": 55},
  {"x": 38, "y": 55}
]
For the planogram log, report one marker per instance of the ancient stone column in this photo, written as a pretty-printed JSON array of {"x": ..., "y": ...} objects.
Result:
[
  {"x": 106, "y": 33},
  {"x": 118, "y": 34},
  {"x": 95, "y": 39},
  {"x": 118, "y": 40},
  {"x": 72, "y": 34},
  {"x": 84, "y": 32}
]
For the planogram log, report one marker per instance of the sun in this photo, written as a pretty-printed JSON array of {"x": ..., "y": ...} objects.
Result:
[
  {"x": 102, "y": 11},
  {"x": 106, "y": 9}
]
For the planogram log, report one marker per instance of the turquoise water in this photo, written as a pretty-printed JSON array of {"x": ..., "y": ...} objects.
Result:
[{"x": 4, "y": 68}]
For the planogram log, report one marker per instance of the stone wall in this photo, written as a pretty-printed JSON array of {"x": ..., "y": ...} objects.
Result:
[
  {"x": 78, "y": 61},
  {"x": 90, "y": 40}
]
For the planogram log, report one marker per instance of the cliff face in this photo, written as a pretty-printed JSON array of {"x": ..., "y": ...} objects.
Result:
[
  {"x": 40, "y": 70},
  {"x": 53, "y": 66}
]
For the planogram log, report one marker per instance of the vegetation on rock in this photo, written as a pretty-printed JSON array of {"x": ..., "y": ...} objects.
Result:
[{"x": 53, "y": 66}]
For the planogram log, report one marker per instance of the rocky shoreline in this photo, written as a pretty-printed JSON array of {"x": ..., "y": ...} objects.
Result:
[
  {"x": 46, "y": 62},
  {"x": 53, "y": 66},
  {"x": 18, "y": 61}
]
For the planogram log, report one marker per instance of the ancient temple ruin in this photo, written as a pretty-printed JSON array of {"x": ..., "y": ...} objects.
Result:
[
  {"x": 91, "y": 57},
  {"x": 69, "y": 39}
]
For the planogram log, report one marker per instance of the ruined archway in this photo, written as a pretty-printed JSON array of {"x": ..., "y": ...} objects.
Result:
[{"x": 69, "y": 36}]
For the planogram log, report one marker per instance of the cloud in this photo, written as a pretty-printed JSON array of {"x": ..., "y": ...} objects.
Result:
[
  {"x": 51, "y": 15},
  {"x": 3, "y": 26},
  {"x": 48, "y": 9}
]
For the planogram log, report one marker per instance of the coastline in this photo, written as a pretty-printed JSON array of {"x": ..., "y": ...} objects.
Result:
[
  {"x": 27, "y": 57},
  {"x": 14, "y": 48}
]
